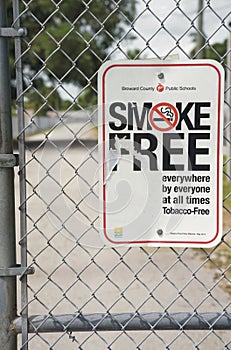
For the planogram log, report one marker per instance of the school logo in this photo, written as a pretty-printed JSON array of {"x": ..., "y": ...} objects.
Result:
[{"x": 160, "y": 87}]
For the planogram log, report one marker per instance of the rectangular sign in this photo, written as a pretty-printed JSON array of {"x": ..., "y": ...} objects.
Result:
[{"x": 160, "y": 153}]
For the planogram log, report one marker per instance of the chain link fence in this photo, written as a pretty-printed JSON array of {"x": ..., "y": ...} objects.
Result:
[{"x": 87, "y": 296}]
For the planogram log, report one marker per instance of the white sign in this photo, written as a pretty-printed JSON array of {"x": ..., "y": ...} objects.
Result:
[{"x": 160, "y": 153}]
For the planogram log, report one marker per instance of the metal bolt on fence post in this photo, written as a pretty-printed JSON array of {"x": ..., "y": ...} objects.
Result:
[{"x": 7, "y": 222}]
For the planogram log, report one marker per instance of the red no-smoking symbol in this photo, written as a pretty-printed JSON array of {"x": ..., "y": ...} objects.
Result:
[{"x": 163, "y": 116}]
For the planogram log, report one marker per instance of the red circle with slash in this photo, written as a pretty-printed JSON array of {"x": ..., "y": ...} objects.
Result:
[{"x": 163, "y": 113}]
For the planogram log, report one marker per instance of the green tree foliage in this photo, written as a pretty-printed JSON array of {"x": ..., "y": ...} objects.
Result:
[
  {"x": 215, "y": 51},
  {"x": 47, "y": 98},
  {"x": 89, "y": 97},
  {"x": 68, "y": 40}
]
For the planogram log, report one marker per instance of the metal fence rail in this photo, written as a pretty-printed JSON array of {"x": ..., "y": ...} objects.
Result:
[
  {"x": 81, "y": 291},
  {"x": 122, "y": 321}
]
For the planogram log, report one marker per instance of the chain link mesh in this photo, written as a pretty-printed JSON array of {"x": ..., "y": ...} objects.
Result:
[{"x": 74, "y": 276}]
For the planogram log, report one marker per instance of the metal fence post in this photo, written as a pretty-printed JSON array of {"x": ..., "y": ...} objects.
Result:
[{"x": 7, "y": 221}]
